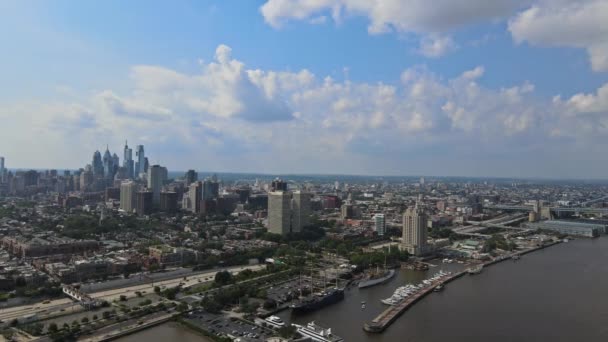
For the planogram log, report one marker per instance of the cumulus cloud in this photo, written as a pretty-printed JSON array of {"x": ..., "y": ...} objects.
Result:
[
  {"x": 553, "y": 23},
  {"x": 566, "y": 23},
  {"x": 582, "y": 103},
  {"x": 234, "y": 115},
  {"x": 430, "y": 19}
]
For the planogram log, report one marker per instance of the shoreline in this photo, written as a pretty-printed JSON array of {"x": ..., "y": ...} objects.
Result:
[{"x": 390, "y": 315}]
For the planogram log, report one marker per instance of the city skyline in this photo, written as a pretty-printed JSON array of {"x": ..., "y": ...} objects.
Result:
[{"x": 500, "y": 90}]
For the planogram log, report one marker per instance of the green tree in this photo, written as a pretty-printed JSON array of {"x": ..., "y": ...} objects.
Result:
[{"x": 223, "y": 278}]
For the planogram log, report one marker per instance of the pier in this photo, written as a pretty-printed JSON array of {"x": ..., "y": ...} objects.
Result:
[{"x": 388, "y": 316}]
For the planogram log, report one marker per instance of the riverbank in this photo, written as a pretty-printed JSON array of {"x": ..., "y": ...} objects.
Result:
[{"x": 388, "y": 316}]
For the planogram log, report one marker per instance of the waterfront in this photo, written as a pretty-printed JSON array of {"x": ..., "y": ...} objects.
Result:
[
  {"x": 554, "y": 294},
  {"x": 166, "y": 332}
]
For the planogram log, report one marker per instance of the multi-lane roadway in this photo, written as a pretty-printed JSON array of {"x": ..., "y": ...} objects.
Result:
[{"x": 53, "y": 307}]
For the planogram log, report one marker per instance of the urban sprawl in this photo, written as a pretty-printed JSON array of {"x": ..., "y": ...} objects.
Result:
[{"x": 112, "y": 248}]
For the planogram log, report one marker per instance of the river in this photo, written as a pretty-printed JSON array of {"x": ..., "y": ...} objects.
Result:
[{"x": 555, "y": 294}]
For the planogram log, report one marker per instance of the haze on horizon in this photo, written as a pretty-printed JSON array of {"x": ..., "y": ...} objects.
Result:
[{"x": 507, "y": 88}]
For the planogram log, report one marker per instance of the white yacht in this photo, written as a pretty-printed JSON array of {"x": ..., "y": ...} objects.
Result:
[
  {"x": 275, "y": 321},
  {"x": 317, "y": 333}
]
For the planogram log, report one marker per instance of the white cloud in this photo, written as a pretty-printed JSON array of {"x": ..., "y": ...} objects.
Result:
[
  {"x": 270, "y": 119},
  {"x": 588, "y": 103},
  {"x": 433, "y": 20},
  {"x": 473, "y": 74},
  {"x": 566, "y": 23},
  {"x": 436, "y": 46},
  {"x": 394, "y": 15}
]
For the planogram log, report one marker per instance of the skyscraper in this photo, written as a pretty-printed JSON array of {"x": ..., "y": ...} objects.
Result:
[
  {"x": 115, "y": 164},
  {"x": 2, "y": 177},
  {"x": 415, "y": 230},
  {"x": 279, "y": 212},
  {"x": 155, "y": 183},
  {"x": 127, "y": 161},
  {"x": 300, "y": 211},
  {"x": 278, "y": 185},
  {"x": 140, "y": 161},
  {"x": 108, "y": 164},
  {"x": 128, "y": 196},
  {"x": 195, "y": 196},
  {"x": 146, "y": 168},
  {"x": 97, "y": 164},
  {"x": 191, "y": 176},
  {"x": 144, "y": 202},
  {"x": 379, "y": 224},
  {"x": 211, "y": 189},
  {"x": 168, "y": 202}
]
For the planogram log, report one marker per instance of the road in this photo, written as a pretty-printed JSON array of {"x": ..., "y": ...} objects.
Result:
[{"x": 66, "y": 304}]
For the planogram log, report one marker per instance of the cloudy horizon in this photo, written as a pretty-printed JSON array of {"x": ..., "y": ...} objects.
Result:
[{"x": 453, "y": 88}]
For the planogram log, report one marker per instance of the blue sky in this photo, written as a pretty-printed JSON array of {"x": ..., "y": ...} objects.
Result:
[{"x": 512, "y": 88}]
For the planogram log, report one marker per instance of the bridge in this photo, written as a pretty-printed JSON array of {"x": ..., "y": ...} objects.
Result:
[
  {"x": 474, "y": 227},
  {"x": 557, "y": 210},
  {"x": 84, "y": 299}
]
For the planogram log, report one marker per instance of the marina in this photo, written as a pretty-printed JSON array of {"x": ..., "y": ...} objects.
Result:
[
  {"x": 388, "y": 316},
  {"x": 398, "y": 306}
]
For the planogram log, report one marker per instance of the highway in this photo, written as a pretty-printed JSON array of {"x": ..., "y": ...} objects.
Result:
[{"x": 66, "y": 304}]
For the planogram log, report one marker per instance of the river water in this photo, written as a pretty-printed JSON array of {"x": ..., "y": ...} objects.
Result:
[{"x": 555, "y": 294}]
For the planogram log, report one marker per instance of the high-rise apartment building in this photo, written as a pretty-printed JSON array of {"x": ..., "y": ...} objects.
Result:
[
  {"x": 155, "y": 183},
  {"x": 128, "y": 196},
  {"x": 379, "y": 224},
  {"x": 415, "y": 230}
]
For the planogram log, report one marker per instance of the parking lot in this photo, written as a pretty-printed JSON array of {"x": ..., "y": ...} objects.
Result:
[{"x": 226, "y": 326}]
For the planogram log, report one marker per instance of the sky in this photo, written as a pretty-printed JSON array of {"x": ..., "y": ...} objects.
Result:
[{"x": 502, "y": 88}]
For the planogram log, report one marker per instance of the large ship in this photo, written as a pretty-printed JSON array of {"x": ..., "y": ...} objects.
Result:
[
  {"x": 318, "y": 300},
  {"x": 317, "y": 333},
  {"x": 377, "y": 278}
]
